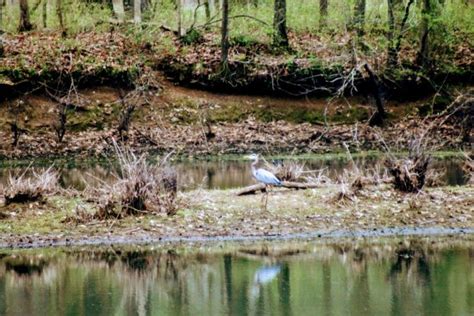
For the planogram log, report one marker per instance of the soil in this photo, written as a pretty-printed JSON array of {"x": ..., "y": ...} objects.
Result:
[{"x": 193, "y": 122}]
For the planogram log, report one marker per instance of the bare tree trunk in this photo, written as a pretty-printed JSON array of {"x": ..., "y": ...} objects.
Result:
[
  {"x": 378, "y": 118},
  {"x": 402, "y": 27},
  {"x": 59, "y": 13},
  {"x": 178, "y": 12},
  {"x": 1, "y": 17},
  {"x": 323, "y": 13},
  {"x": 423, "y": 53},
  {"x": 207, "y": 8},
  {"x": 359, "y": 17},
  {"x": 280, "y": 36},
  {"x": 2, "y": 50},
  {"x": 225, "y": 37},
  {"x": 119, "y": 10},
  {"x": 137, "y": 11},
  {"x": 390, "y": 35},
  {"x": 25, "y": 24},
  {"x": 44, "y": 13}
]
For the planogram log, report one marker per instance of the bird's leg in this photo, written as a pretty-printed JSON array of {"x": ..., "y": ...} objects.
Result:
[
  {"x": 264, "y": 194},
  {"x": 266, "y": 197}
]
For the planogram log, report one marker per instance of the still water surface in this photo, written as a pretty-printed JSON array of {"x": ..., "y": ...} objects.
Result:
[
  {"x": 388, "y": 277},
  {"x": 226, "y": 174}
]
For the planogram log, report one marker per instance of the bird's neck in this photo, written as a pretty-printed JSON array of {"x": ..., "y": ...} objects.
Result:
[
  {"x": 254, "y": 166},
  {"x": 254, "y": 163}
]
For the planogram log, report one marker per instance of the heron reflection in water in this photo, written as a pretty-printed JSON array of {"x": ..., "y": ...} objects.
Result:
[
  {"x": 263, "y": 176},
  {"x": 265, "y": 274}
]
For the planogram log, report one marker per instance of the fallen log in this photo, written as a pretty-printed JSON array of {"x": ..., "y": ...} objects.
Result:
[{"x": 253, "y": 189}]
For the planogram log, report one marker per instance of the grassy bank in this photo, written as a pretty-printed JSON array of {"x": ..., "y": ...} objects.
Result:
[{"x": 220, "y": 213}]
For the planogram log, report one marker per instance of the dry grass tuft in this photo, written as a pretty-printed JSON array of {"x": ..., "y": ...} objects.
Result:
[
  {"x": 140, "y": 187},
  {"x": 23, "y": 189},
  {"x": 288, "y": 170},
  {"x": 346, "y": 193},
  {"x": 319, "y": 177}
]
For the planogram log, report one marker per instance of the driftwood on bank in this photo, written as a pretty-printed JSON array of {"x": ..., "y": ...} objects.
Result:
[{"x": 253, "y": 189}]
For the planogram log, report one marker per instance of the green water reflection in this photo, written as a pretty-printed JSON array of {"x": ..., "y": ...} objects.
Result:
[{"x": 406, "y": 277}]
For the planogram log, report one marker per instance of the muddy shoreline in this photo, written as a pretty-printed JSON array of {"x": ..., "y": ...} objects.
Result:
[
  {"x": 207, "y": 215},
  {"x": 146, "y": 239}
]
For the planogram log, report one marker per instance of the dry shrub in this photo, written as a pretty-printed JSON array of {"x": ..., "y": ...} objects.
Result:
[
  {"x": 140, "y": 187},
  {"x": 288, "y": 170},
  {"x": 409, "y": 174},
  {"x": 23, "y": 189},
  {"x": 319, "y": 177}
]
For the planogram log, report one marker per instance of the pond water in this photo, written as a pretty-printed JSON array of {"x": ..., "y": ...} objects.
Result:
[
  {"x": 226, "y": 174},
  {"x": 350, "y": 277}
]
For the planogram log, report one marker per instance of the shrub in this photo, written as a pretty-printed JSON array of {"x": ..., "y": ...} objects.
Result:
[
  {"x": 23, "y": 188},
  {"x": 140, "y": 187}
]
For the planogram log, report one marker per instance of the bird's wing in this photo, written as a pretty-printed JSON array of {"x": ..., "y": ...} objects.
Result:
[{"x": 267, "y": 177}]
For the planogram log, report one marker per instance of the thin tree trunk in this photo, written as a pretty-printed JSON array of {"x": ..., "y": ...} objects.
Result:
[
  {"x": 323, "y": 13},
  {"x": 59, "y": 13},
  {"x": 207, "y": 8},
  {"x": 178, "y": 12},
  {"x": 1, "y": 19},
  {"x": 359, "y": 17},
  {"x": 25, "y": 24},
  {"x": 402, "y": 27},
  {"x": 423, "y": 53},
  {"x": 280, "y": 36},
  {"x": 44, "y": 13},
  {"x": 1, "y": 30},
  {"x": 225, "y": 37},
  {"x": 379, "y": 116},
  {"x": 119, "y": 10},
  {"x": 391, "y": 53},
  {"x": 137, "y": 11}
]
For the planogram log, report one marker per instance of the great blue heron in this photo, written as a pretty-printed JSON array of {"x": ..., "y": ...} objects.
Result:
[{"x": 263, "y": 176}]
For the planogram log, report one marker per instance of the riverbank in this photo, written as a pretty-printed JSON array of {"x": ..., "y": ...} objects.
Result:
[
  {"x": 193, "y": 122},
  {"x": 220, "y": 214},
  {"x": 35, "y": 60}
]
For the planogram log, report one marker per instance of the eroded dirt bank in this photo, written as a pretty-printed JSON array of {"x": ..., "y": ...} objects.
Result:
[{"x": 193, "y": 122}]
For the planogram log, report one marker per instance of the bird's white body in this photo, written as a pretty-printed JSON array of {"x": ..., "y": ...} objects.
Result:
[
  {"x": 265, "y": 176},
  {"x": 262, "y": 175}
]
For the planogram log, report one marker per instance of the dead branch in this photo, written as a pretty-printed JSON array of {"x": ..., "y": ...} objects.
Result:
[{"x": 253, "y": 189}]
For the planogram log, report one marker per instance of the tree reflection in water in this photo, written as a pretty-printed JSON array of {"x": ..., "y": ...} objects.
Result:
[
  {"x": 221, "y": 174},
  {"x": 279, "y": 279}
]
